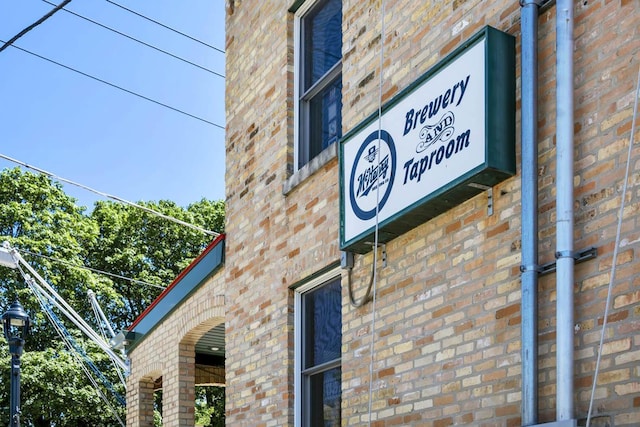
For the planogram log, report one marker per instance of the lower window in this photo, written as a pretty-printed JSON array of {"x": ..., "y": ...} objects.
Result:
[{"x": 318, "y": 353}]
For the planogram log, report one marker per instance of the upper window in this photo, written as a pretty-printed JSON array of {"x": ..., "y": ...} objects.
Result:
[
  {"x": 319, "y": 88},
  {"x": 319, "y": 374}
]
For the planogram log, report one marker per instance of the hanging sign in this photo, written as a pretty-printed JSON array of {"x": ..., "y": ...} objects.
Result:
[{"x": 446, "y": 138}]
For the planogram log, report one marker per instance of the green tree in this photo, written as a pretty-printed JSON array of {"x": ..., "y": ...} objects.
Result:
[
  {"x": 210, "y": 406},
  {"x": 45, "y": 225},
  {"x": 37, "y": 217},
  {"x": 54, "y": 392},
  {"x": 57, "y": 238},
  {"x": 150, "y": 249}
]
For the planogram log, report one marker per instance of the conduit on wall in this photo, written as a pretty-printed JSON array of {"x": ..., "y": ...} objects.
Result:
[
  {"x": 564, "y": 211},
  {"x": 529, "y": 218},
  {"x": 565, "y": 255}
]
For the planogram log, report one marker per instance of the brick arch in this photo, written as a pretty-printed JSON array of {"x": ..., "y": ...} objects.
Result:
[
  {"x": 207, "y": 313},
  {"x": 152, "y": 371},
  {"x": 141, "y": 413},
  {"x": 196, "y": 316}
]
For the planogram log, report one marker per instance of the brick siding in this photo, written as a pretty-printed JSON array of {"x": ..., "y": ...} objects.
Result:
[{"x": 447, "y": 339}]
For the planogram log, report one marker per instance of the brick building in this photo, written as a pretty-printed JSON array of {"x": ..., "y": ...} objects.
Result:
[{"x": 475, "y": 308}]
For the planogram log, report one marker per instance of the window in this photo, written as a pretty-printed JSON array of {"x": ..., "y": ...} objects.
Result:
[
  {"x": 318, "y": 355},
  {"x": 319, "y": 78}
]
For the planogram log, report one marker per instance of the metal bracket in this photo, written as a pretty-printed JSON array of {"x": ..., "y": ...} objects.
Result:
[
  {"x": 578, "y": 256},
  {"x": 489, "y": 195},
  {"x": 567, "y": 254},
  {"x": 525, "y": 268},
  {"x": 384, "y": 252},
  {"x": 565, "y": 423},
  {"x": 524, "y": 3},
  {"x": 543, "y": 5}
]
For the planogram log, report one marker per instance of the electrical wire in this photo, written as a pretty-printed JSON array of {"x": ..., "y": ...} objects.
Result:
[
  {"x": 75, "y": 350},
  {"x": 164, "y": 26},
  {"x": 367, "y": 293},
  {"x": 32, "y": 26},
  {"x": 113, "y": 85},
  {"x": 377, "y": 221},
  {"x": 109, "y": 196},
  {"x": 371, "y": 291},
  {"x": 94, "y": 270},
  {"x": 139, "y": 41},
  {"x": 47, "y": 297},
  {"x": 63, "y": 306},
  {"x": 615, "y": 250},
  {"x": 106, "y": 331}
]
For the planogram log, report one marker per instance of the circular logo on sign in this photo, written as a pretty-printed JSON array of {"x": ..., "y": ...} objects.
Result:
[{"x": 372, "y": 174}]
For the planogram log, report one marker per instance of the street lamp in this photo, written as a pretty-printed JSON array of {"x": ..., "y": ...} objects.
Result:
[{"x": 15, "y": 323}]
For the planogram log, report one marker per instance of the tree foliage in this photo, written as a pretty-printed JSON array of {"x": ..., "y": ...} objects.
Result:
[
  {"x": 147, "y": 248},
  {"x": 210, "y": 406},
  {"x": 58, "y": 239},
  {"x": 38, "y": 217},
  {"x": 55, "y": 393}
]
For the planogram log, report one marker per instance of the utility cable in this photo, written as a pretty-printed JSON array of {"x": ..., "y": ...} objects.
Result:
[
  {"x": 117, "y": 199},
  {"x": 94, "y": 270},
  {"x": 377, "y": 224},
  {"x": 35, "y": 24},
  {"x": 139, "y": 41},
  {"x": 105, "y": 330},
  {"x": 146, "y": 98},
  {"x": 101, "y": 319},
  {"x": 164, "y": 26},
  {"x": 61, "y": 304},
  {"x": 367, "y": 293},
  {"x": 76, "y": 352},
  {"x": 615, "y": 249},
  {"x": 371, "y": 291}
]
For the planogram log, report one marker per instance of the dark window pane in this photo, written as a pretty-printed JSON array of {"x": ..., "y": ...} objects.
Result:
[
  {"x": 325, "y": 402},
  {"x": 325, "y": 118},
  {"x": 322, "y": 40},
  {"x": 323, "y": 320}
]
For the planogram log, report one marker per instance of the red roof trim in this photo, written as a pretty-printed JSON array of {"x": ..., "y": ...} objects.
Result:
[{"x": 177, "y": 280}]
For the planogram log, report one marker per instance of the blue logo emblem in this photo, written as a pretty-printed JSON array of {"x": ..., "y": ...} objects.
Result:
[{"x": 372, "y": 175}]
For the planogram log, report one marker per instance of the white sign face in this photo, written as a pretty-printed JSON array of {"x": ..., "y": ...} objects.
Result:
[{"x": 431, "y": 137}]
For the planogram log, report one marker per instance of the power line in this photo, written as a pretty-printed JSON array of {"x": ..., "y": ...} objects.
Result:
[
  {"x": 95, "y": 270},
  {"x": 118, "y": 87},
  {"x": 35, "y": 24},
  {"x": 164, "y": 26},
  {"x": 117, "y": 199},
  {"x": 612, "y": 276},
  {"x": 139, "y": 41}
]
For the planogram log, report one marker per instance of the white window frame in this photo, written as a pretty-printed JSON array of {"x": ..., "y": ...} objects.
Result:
[
  {"x": 300, "y": 117},
  {"x": 320, "y": 280}
]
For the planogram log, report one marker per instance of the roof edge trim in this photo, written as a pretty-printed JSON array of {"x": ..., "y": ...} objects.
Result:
[{"x": 177, "y": 280}]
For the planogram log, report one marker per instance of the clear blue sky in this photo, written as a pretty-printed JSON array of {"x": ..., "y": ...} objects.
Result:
[{"x": 101, "y": 137}]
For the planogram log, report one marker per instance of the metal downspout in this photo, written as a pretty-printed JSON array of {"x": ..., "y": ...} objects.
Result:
[
  {"x": 564, "y": 211},
  {"x": 529, "y": 218}
]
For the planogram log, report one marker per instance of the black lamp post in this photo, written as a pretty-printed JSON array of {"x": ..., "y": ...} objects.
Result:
[{"x": 15, "y": 323}]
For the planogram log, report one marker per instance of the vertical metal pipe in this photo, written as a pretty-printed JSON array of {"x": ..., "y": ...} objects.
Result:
[
  {"x": 564, "y": 214},
  {"x": 529, "y": 218}
]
